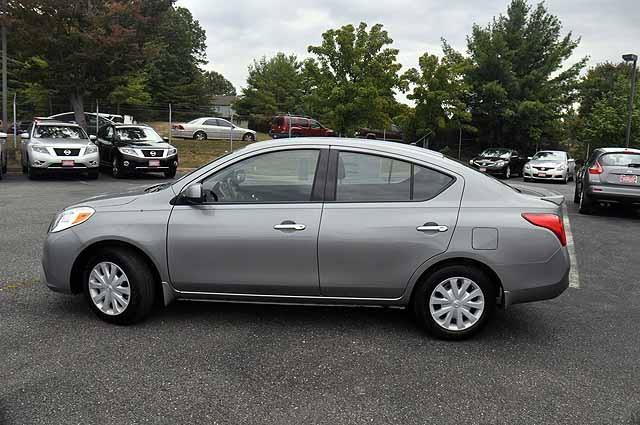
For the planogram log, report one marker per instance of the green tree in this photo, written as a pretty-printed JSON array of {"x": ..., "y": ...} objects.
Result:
[
  {"x": 77, "y": 48},
  {"x": 274, "y": 86},
  {"x": 520, "y": 86},
  {"x": 604, "y": 96},
  {"x": 440, "y": 92},
  {"x": 353, "y": 77},
  {"x": 217, "y": 85}
]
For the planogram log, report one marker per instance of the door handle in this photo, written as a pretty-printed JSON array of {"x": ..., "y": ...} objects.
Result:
[
  {"x": 432, "y": 228},
  {"x": 290, "y": 226}
]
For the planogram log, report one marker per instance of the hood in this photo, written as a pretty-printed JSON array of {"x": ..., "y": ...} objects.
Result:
[
  {"x": 546, "y": 162},
  {"x": 61, "y": 142},
  {"x": 490, "y": 158},
  {"x": 113, "y": 199}
]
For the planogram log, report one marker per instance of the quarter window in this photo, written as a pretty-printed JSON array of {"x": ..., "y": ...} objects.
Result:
[
  {"x": 371, "y": 178},
  {"x": 284, "y": 176}
]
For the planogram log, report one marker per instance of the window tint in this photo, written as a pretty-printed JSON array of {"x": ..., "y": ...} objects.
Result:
[
  {"x": 315, "y": 124},
  {"x": 109, "y": 133},
  {"x": 285, "y": 176},
  {"x": 371, "y": 178},
  {"x": 278, "y": 121},
  {"x": 300, "y": 122},
  {"x": 363, "y": 177},
  {"x": 428, "y": 183},
  {"x": 223, "y": 123},
  {"x": 620, "y": 159},
  {"x": 210, "y": 122}
]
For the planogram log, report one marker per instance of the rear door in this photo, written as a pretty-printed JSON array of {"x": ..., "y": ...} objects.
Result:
[
  {"x": 620, "y": 169},
  {"x": 383, "y": 217}
]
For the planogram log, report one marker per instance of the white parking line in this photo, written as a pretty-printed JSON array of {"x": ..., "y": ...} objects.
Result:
[{"x": 574, "y": 275}]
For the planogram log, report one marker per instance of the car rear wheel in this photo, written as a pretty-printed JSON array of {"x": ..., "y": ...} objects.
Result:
[
  {"x": 586, "y": 203},
  {"x": 119, "y": 286},
  {"x": 116, "y": 169},
  {"x": 200, "y": 135},
  {"x": 455, "y": 302},
  {"x": 170, "y": 173},
  {"x": 249, "y": 137}
]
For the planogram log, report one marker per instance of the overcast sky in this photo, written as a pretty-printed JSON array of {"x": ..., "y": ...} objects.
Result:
[{"x": 240, "y": 30}]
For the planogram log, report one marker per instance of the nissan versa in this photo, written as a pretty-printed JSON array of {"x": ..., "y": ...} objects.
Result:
[{"x": 324, "y": 220}]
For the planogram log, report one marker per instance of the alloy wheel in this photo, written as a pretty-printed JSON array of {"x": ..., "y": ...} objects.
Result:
[
  {"x": 457, "y": 303},
  {"x": 109, "y": 288}
]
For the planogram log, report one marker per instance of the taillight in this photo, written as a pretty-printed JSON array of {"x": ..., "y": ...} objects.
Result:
[
  {"x": 596, "y": 168},
  {"x": 552, "y": 222}
]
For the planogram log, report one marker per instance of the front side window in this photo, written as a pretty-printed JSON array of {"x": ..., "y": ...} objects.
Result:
[
  {"x": 315, "y": 124},
  {"x": 276, "y": 177},
  {"x": 371, "y": 178},
  {"x": 58, "y": 132},
  {"x": 224, "y": 123}
]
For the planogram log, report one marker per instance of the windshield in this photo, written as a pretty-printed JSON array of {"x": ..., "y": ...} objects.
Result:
[
  {"x": 620, "y": 159},
  {"x": 59, "y": 132},
  {"x": 138, "y": 134},
  {"x": 553, "y": 156},
  {"x": 493, "y": 153}
]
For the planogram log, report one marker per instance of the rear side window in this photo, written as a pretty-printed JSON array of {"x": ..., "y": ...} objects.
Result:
[
  {"x": 210, "y": 122},
  {"x": 621, "y": 159},
  {"x": 371, "y": 178}
]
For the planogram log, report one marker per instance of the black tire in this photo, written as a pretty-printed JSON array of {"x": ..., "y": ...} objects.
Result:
[
  {"x": 24, "y": 169},
  {"x": 426, "y": 287},
  {"x": 199, "y": 135},
  {"x": 141, "y": 283},
  {"x": 576, "y": 195},
  {"x": 93, "y": 174},
  {"x": 526, "y": 179},
  {"x": 507, "y": 173},
  {"x": 249, "y": 137},
  {"x": 586, "y": 203},
  {"x": 32, "y": 173},
  {"x": 116, "y": 169},
  {"x": 170, "y": 173}
]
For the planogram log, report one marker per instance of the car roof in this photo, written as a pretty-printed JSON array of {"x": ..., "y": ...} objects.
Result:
[
  {"x": 613, "y": 149},
  {"x": 49, "y": 121}
]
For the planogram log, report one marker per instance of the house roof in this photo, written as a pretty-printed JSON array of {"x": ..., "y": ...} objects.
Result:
[{"x": 223, "y": 100}]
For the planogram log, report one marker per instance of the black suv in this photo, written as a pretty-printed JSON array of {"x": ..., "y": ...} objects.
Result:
[
  {"x": 503, "y": 162},
  {"x": 130, "y": 149}
]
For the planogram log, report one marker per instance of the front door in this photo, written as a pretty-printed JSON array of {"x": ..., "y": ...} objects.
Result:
[
  {"x": 383, "y": 218},
  {"x": 255, "y": 233}
]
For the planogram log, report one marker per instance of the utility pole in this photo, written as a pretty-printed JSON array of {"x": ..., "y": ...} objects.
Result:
[
  {"x": 634, "y": 59},
  {"x": 4, "y": 67}
]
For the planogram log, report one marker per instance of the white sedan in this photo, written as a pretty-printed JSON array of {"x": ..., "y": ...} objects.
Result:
[{"x": 211, "y": 128}]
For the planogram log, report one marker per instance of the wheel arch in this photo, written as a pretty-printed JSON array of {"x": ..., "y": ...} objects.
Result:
[
  {"x": 457, "y": 261},
  {"x": 95, "y": 248}
]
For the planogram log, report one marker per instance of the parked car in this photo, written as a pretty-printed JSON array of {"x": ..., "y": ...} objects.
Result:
[
  {"x": 20, "y": 126},
  {"x": 53, "y": 146},
  {"x": 211, "y": 128},
  {"x": 93, "y": 120},
  {"x": 612, "y": 176},
  {"x": 131, "y": 149},
  {"x": 503, "y": 162},
  {"x": 393, "y": 134},
  {"x": 297, "y": 126},
  {"x": 401, "y": 226},
  {"x": 550, "y": 165},
  {"x": 3, "y": 154}
]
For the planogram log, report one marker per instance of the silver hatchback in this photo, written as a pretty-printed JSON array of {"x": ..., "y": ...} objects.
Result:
[{"x": 316, "y": 221}]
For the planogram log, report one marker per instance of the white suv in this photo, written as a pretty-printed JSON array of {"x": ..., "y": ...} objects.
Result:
[{"x": 58, "y": 146}]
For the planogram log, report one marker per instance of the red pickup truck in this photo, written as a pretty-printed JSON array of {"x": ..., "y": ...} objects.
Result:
[{"x": 393, "y": 134}]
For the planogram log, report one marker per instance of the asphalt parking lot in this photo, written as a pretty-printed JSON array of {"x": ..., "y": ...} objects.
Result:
[{"x": 569, "y": 360}]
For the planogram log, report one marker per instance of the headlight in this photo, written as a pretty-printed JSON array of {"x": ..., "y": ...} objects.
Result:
[
  {"x": 561, "y": 167},
  {"x": 527, "y": 166},
  {"x": 70, "y": 218},
  {"x": 500, "y": 163},
  {"x": 128, "y": 151},
  {"x": 91, "y": 149},
  {"x": 172, "y": 152},
  {"x": 39, "y": 149},
  {"x": 471, "y": 161}
]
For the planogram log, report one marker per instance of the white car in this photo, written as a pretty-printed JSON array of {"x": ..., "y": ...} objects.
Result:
[
  {"x": 3, "y": 154},
  {"x": 58, "y": 146},
  {"x": 211, "y": 128},
  {"x": 550, "y": 165}
]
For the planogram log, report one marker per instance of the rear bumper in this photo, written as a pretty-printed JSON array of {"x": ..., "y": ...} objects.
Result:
[
  {"x": 620, "y": 194},
  {"x": 538, "y": 293}
]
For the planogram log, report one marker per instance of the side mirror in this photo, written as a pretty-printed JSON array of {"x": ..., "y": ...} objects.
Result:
[
  {"x": 529, "y": 158},
  {"x": 193, "y": 194},
  {"x": 92, "y": 137},
  {"x": 24, "y": 135},
  {"x": 166, "y": 139}
]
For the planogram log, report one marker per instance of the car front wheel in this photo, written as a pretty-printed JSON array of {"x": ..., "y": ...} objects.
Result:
[
  {"x": 119, "y": 286},
  {"x": 249, "y": 137},
  {"x": 116, "y": 169},
  {"x": 455, "y": 302},
  {"x": 200, "y": 135}
]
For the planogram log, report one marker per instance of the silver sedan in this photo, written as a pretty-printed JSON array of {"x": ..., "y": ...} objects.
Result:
[
  {"x": 550, "y": 165},
  {"x": 316, "y": 221},
  {"x": 211, "y": 128}
]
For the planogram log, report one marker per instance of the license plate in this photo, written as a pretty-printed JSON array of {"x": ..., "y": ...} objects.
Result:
[
  {"x": 68, "y": 163},
  {"x": 629, "y": 179},
  {"x": 541, "y": 175},
  {"x": 484, "y": 170},
  {"x": 154, "y": 163}
]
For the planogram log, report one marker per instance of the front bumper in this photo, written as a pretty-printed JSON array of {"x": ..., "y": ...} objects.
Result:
[
  {"x": 142, "y": 165},
  {"x": 58, "y": 255},
  {"x": 548, "y": 174},
  {"x": 491, "y": 169},
  {"x": 54, "y": 163}
]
